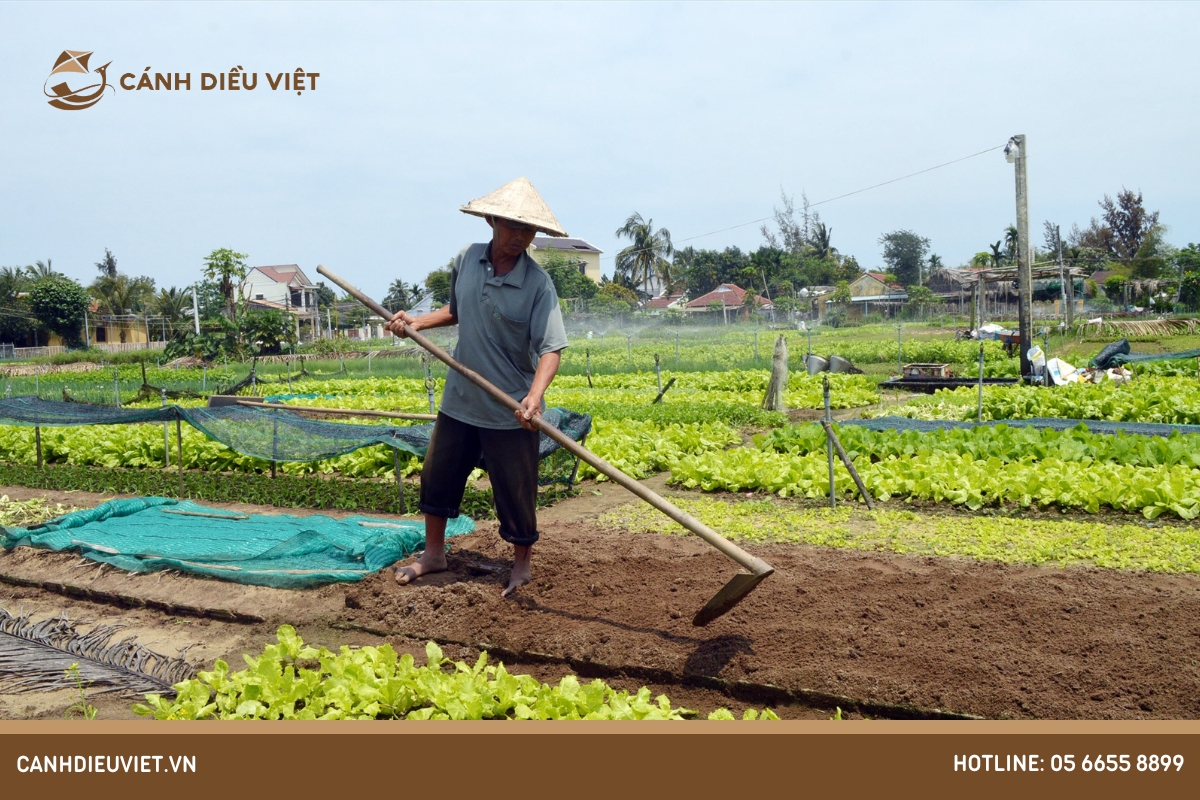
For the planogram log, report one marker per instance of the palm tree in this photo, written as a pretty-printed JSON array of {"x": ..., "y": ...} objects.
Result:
[
  {"x": 997, "y": 254},
  {"x": 645, "y": 260},
  {"x": 398, "y": 295},
  {"x": 174, "y": 304},
  {"x": 122, "y": 294},
  {"x": 1011, "y": 239},
  {"x": 40, "y": 271},
  {"x": 13, "y": 281},
  {"x": 820, "y": 242}
]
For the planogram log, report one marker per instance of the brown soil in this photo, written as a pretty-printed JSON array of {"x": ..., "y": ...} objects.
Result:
[
  {"x": 877, "y": 633},
  {"x": 887, "y": 630}
]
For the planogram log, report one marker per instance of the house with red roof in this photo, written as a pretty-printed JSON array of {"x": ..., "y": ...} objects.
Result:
[
  {"x": 658, "y": 305},
  {"x": 725, "y": 297}
]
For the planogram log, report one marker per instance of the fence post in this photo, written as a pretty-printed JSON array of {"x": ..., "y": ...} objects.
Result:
[
  {"x": 979, "y": 417},
  {"x": 829, "y": 447},
  {"x": 179, "y": 442},
  {"x": 166, "y": 435}
]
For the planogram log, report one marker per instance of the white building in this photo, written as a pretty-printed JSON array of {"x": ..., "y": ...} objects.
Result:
[{"x": 283, "y": 287}]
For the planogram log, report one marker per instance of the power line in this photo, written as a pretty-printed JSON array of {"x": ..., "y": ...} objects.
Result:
[{"x": 831, "y": 199}]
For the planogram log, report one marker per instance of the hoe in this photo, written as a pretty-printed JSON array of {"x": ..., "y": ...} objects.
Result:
[{"x": 730, "y": 595}]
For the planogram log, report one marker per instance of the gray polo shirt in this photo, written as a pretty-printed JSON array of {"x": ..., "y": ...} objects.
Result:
[{"x": 504, "y": 326}]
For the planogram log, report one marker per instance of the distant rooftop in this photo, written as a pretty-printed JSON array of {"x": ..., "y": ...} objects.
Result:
[
  {"x": 557, "y": 243},
  {"x": 285, "y": 273}
]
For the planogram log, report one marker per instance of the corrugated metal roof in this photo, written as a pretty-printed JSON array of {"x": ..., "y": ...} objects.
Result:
[
  {"x": 289, "y": 274},
  {"x": 557, "y": 243}
]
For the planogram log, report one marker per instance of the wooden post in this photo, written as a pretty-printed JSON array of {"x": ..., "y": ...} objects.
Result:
[
  {"x": 588, "y": 355},
  {"x": 274, "y": 444},
  {"x": 774, "y": 398},
  {"x": 37, "y": 437},
  {"x": 979, "y": 417}
]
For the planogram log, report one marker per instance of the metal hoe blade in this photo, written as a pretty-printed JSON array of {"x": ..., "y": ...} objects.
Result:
[{"x": 730, "y": 595}]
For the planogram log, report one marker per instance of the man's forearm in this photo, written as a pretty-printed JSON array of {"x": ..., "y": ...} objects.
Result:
[
  {"x": 438, "y": 318},
  {"x": 547, "y": 368}
]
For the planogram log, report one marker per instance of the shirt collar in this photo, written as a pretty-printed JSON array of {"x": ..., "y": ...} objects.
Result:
[{"x": 514, "y": 278}]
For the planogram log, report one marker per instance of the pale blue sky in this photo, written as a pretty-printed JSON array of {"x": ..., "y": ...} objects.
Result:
[{"x": 692, "y": 114}]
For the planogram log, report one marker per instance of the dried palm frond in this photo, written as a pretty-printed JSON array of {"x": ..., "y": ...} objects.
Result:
[
  {"x": 35, "y": 656},
  {"x": 1142, "y": 327}
]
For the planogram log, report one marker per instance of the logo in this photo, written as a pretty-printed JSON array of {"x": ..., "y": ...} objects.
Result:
[{"x": 75, "y": 99}]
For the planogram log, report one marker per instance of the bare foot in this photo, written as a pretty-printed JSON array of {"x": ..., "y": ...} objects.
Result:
[
  {"x": 428, "y": 563},
  {"x": 522, "y": 571}
]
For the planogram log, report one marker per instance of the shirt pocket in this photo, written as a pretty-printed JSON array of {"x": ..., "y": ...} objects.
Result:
[{"x": 511, "y": 336}]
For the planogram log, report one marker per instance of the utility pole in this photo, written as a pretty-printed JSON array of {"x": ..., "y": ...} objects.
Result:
[
  {"x": 1068, "y": 283},
  {"x": 195, "y": 312},
  {"x": 1015, "y": 151}
]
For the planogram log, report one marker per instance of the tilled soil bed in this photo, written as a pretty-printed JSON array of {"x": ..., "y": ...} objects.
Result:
[
  {"x": 890, "y": 631},
  {"x": 877, "y": 633}
]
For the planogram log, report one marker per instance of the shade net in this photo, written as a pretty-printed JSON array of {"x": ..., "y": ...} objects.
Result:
[
  {"x": 281, "y": 435},
  {"x": 279, "y": 550},
  {"x": 1118, "y": 353}
]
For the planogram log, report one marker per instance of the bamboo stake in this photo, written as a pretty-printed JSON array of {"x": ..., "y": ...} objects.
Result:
[
  {"x": 344, "y": 411},
  {"x": 837, "y": 445}
]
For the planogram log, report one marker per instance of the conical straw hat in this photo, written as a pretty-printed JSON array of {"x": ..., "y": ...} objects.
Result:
[{"x": 520, "y": 202}]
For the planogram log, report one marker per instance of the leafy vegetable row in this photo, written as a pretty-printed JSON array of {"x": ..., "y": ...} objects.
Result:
[
  {"x": 293, "y": 681},
  {"x": 953, "y": 478},
  {"x": 1008, "y": 444},
  {"x": 1146, "y": 399},
  {"x": 1142, "y": 546}
]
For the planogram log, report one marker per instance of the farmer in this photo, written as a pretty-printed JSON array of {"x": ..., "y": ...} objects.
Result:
[{"x": 510, "y": 331}]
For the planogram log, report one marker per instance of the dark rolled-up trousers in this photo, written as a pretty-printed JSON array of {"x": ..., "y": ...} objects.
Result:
[{"x": 511, "y": 457}]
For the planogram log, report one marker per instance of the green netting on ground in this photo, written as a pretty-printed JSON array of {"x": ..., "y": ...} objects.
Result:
[
  {"x": 280, "y": 435},
  {"x": 1053, "y": 423},
  {"x": 1118, "y": 353},
  {"x": 279, "y": 550}
]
